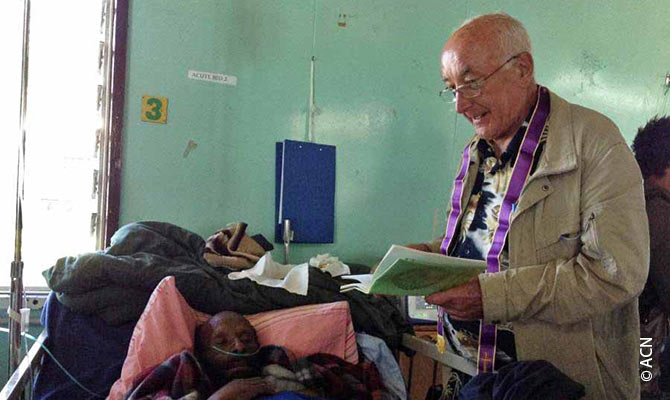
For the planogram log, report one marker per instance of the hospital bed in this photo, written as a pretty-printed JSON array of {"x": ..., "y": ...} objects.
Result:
[
  {"x": 24, "y": 377},
  {"x": 94, "y": 350}
]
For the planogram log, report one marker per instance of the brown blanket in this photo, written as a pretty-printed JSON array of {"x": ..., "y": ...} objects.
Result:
[{"x": 232, "y": 248}]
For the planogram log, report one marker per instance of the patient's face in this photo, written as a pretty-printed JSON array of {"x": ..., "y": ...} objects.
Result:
[{"x": 228, "y": 339}]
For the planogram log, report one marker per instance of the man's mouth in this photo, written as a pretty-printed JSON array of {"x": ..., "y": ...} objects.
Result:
[{"x": 478, "y": 118}]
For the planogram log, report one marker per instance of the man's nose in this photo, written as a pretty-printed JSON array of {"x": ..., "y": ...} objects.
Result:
[
  {"x": 238, "y": 346},
  {"x": 461, "y": 103}
]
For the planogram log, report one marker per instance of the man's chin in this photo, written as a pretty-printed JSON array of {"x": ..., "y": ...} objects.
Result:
[
  {"x": 483, "y": 131},
  {"x": 490, "y": 136},
  {"x": 241, "y": 372},
  {"x": 484, "y": 134}
]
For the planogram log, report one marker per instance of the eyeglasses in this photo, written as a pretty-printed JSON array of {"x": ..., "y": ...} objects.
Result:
[{"x": 470, "y": 89}]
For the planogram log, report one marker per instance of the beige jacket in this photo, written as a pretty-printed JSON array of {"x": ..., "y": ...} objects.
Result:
[{"x": 579, "y": 255}]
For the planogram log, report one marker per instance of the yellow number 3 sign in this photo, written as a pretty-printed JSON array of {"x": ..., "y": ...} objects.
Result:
[{"x": 154, "y": 109}]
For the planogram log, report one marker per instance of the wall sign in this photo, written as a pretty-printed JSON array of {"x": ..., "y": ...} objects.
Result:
[
  {"x": 154, "y": 109},
  {"x": 212, "y": 77}
]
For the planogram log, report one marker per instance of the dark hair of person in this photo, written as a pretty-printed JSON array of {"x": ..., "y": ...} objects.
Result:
[{"x": 652, "y": 146}]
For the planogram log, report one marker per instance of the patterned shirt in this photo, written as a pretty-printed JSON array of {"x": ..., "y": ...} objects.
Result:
[{"x": 475, "y": 237}]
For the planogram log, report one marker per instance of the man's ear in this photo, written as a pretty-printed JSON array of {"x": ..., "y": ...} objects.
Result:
[{"x": 525, "y": 65}]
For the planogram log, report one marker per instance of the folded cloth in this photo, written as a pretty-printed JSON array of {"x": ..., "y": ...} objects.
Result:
[
  {"x": 267, "y": 272},
  {"x": 523, "y": 380},
  {"x": 329, "y": 264},
  {"x": 232, "y": 248}
]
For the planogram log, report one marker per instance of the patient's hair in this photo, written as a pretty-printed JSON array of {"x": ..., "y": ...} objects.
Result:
[{"x": 652, "y": 147}]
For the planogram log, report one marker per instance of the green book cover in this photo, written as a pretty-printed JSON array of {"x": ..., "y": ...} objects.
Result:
[{"x": 408, "y": 272}]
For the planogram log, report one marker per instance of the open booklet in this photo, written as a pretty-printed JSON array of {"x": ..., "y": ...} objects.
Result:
[{"x": 408, "y": 272}]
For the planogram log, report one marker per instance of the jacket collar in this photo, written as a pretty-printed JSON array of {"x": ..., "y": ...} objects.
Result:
[{"x": 560, "y": 152}]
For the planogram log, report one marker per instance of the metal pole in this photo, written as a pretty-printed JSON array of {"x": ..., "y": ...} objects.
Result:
[
  {"x": 287, "y": 236},
  {"x": 310, "y": 122},
  {"x": 103, "y": 154},
  {"x": 16, "y": 294}
]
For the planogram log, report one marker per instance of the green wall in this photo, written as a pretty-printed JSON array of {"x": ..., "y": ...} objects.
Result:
[{"x": 377, "y": 80}]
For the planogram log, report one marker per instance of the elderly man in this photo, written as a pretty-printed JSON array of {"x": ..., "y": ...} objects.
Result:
[{"x": 549, "y": 194}]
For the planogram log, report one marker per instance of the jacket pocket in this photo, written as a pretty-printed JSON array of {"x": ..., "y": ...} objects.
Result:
[
  {"x": 590, "y": 237},
  {"x": 558, "y": 237}
]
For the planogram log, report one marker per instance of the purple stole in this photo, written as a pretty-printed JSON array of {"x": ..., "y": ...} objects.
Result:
[{"x": 520, "y": 173}]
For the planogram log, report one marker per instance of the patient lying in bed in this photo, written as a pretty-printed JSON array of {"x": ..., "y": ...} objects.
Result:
[
  {"x": 227, "y": 347},
  {"x": 230, "y": 364}
]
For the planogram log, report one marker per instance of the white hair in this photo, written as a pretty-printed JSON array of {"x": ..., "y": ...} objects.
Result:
[{"x": 510, "y": 34}]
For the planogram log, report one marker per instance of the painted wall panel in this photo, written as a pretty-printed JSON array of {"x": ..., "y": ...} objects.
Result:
[{"x": 376, "y": 84}]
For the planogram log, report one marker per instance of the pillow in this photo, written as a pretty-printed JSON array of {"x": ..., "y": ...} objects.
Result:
[
  {"x": 306, "y": 330},
  {"x": 167, "y": 326}
]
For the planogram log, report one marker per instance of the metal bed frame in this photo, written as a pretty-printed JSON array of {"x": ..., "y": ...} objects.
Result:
[
  {"x": 448, "y": 360},
  {"x": 19, "y": 382}
]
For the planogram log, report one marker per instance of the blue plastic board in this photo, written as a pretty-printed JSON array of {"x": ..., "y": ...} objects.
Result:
[{"x": 305, "y": 191}]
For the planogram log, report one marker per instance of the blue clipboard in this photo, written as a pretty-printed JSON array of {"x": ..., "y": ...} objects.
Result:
[{"x": 305, "y": 191}]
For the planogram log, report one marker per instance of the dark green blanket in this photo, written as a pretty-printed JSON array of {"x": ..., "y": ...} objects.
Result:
[{"x": 116, "y": 283}]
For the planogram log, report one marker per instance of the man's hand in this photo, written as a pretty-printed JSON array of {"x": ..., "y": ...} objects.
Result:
[
  {"x": 419, "y": 246},
  {"x": 243, "y": 389},
  {"x": 462, "y": 302}
]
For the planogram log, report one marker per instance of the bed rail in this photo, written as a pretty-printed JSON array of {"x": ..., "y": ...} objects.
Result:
[
  {"x": 20, "y": 379},
  {"x": 448, "y": 359},
  {"x": 448, "y": 362}
]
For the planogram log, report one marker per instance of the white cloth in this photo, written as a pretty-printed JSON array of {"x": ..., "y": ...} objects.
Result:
[
  {"x": 329, "y": 264},
  {"x": 267, "y": 272}
]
